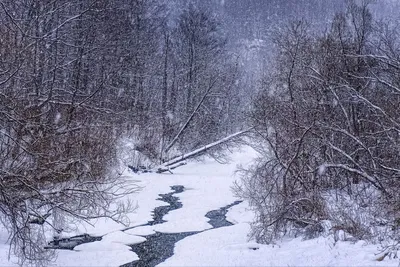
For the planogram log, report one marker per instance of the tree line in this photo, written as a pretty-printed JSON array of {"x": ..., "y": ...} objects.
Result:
[
  {"x": 327, "y": 120},
  {"x": 78, "y": 76}
]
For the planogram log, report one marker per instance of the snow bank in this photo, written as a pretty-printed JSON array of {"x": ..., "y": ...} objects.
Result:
[{"x": 208, "y": 187}]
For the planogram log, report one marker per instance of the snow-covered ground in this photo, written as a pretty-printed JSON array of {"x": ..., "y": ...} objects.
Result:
[{"x": 208, "y": 187}]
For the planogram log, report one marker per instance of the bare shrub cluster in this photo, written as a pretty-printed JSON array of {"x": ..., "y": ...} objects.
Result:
[
  {"x": 76, "y": 77},
  {"x": 57, "y": 122},
  {"x": 327, "y": 117}
]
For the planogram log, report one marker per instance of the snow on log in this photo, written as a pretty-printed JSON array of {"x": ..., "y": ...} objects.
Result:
[
  {"x": 174, "y": 163},
  {"x": 163, "y": 168}
]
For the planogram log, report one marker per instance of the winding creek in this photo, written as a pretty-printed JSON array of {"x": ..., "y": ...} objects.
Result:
[{"x": 158, "y": 246}]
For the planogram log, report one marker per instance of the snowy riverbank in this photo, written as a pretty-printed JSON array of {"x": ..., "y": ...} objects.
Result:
[{"x": 207, "y": 187}]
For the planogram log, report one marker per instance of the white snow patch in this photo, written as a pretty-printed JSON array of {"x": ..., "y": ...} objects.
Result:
[
  {"x": 106, "y": 255},
  {"x": 208, "y": 187},
  {"x": 4, "y": 250},
  {"x": 321, "y": 169},
  {"x": 141, "y": 231},
  {"x": 122, "y": 238},
  {"x": 57, "y": 118},
  {"x": 228, "y": 246}
]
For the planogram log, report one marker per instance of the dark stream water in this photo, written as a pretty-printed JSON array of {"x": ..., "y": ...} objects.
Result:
[{"x": 160, "y": 246}]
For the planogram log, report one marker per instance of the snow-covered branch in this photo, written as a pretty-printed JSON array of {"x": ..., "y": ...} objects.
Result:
[{"x": 176, "y": 162}]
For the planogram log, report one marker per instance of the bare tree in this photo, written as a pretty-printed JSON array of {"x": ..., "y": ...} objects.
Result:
[
  {"x": 329, "y": 130},
  {"x": 56, "y": 132},
  {"x": 202, "y": 86}
]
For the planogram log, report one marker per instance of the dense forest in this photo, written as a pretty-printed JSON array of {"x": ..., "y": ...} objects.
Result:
[{"x": 87, "y": 86}]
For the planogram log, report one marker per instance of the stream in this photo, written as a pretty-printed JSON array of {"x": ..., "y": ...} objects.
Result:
[{"x": 160, "y": 246}]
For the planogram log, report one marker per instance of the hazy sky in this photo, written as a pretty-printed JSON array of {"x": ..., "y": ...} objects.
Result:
[
  {"x": 249, "y": 22},
  {"x": 246, "y": 17}
]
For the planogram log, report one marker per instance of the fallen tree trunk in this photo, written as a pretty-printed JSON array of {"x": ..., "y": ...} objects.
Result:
[
  {"x": 179, "y": 161},
  {"x": 169, "y": 168}
]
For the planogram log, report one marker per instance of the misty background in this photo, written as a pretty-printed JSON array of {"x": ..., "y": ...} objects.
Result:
[{"x": 249, "y": 24}]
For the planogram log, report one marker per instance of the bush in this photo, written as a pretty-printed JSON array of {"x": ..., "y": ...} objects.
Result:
[{"x": 329, "y": 131}]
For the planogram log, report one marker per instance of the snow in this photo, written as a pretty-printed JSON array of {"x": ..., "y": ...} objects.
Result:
[
  {"x": 96, "y": 254},
  {"x": 57, "y": 118},
  {"x": 208, "y": 187},
  {"x": 322, "y": 169},
  {"x": 4, "y": 250},
  {"x": 229, "y": 246}
]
